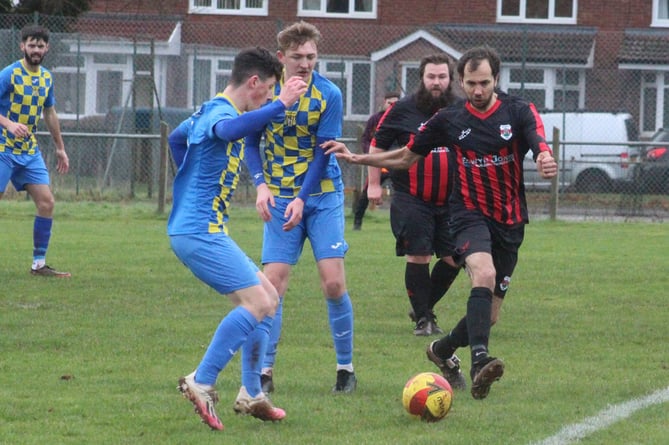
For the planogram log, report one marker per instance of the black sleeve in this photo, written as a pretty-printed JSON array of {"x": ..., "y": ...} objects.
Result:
[
  {"x": 386, "y": 134},
  {"x": 431, "y": 134},
  {"x": 534, "y": 132}
]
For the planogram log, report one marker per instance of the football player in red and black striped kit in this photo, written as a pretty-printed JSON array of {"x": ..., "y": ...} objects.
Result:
[
  {"x": 418, "y": 212},
  {"x": 490, "y": 134}
]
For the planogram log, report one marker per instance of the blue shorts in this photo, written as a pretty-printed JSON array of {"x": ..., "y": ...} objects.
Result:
[
  {"x": 322, "y": 223},
  {"x": 217, "y": 260},
  {"x": 22, "y": 169}
]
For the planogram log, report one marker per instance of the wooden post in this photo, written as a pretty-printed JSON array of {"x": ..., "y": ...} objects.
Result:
[
  {"x": 162, "y": 174},
  {"x": 555, "y": 182}
]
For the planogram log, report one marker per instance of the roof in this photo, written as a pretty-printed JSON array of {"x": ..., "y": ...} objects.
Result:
[
  {"x": 359, "y": 39},
  {"x": 97, "y": 26},
  {"x": 644, "y": 47},
  {"x": 515, "y": 43},
  {"x": 529, "y": 43}
]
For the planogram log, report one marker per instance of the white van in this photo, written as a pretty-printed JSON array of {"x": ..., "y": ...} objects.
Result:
[{"x": 594, "y": 155}]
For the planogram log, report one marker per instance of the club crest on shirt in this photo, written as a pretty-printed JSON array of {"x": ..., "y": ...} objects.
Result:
[
  {"x": 291, "y": 118},
  {"x": 505, "y": 131}
]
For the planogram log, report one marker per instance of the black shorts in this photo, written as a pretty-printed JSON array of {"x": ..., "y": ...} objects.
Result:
[
  {"x": 473, "y": 232},
  {"x": 420, "y": 227}
]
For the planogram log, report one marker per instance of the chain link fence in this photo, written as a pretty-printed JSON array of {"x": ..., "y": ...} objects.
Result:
[{"x": 118, "y": 78}]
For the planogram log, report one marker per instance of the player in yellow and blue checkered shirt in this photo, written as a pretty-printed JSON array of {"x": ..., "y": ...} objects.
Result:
[
  {"x": 301, "y": 196},
  {"x": 26, "y": 93}
]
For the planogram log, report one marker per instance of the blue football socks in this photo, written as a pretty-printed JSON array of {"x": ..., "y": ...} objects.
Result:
[
  {"x": 274, "y": 336},
  {"x": 253, "y": 353},
  {"x": 41, "y": 237},
  {"x": 340, "y": 315},
  {"x": 230, "y": 335}
]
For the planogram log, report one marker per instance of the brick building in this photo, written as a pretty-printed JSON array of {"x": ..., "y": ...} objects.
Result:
[{"x": 561, "y": 54}]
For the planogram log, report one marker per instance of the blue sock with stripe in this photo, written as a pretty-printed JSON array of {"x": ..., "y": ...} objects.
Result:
[
  {"x": 274, "y": 337},
  {"x": 41, "y": 237},
  {"x": 230, "y": 335},
  {"x": 340, "y": 316},
  {"x": 253, "y": 353}
]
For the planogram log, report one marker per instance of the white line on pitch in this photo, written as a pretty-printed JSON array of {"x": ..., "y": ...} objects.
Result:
[{"x": 605, "y": 418}]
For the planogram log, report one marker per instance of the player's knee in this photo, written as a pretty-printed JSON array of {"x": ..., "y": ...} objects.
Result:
[
  {"x": 333, "y": 287},
  {"x": 45, "y": 205},
  {"x": 266, "y": 305},
  {"x": 279, "y": 282},
  {"x": 274, "y": 301},
  {"x": 483, "y": 277}
]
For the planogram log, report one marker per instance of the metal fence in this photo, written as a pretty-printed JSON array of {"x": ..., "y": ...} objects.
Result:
[{"x": 117, "y": 79}]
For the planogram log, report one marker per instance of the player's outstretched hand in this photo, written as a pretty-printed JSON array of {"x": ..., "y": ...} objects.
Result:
[
  {"x": 546, "y": 165},
  {"x": 291, "y": 90},
  {"x": 339, "y": 149}
]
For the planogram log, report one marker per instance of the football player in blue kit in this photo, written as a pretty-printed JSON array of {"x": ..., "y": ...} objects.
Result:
[{"x": 209, "y": 147}]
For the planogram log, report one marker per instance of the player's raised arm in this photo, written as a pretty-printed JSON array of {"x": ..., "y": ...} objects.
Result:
[
  {"x": 400, "y": 159},
  {"x": 291, "y": 91}
]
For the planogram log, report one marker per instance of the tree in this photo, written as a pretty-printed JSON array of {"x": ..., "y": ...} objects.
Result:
[{"x": 5, "y": 6}]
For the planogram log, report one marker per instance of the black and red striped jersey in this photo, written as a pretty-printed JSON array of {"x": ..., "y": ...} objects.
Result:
[
  {"x": 427, "y": 179},
  {"x": 489, "y": 149}
]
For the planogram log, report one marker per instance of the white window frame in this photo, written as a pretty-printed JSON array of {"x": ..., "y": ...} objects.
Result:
[
  {"x": 350, "y": 83},
  {"x": 549, "y": 86},
  {"x": 520, "y": 18},
  {"x": 660, "y": 7},
  {"x": 214, "y": 72},
  {"x": 63, "y": 112},
  {"x": 352, "y": 14},
  {"x": 659, "y": 86},
  {"x": 243, "y": 9},
  {"x": 71, "y": 69},
  {"x": 405, "y": 67}
]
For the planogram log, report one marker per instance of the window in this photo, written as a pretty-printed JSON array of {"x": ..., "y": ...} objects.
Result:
[
  {"x": 109, "y": 87},
  {"x": 201, "y": 81},
  {"x": 69, "y": 76},
  {"x": 354, "y": 79},
  {"x": 660, "y": 13},
  {"x": 410, "y": 77},
  {"x": 654, "y": 102},
  {"x": 110, "y": 59},
  {"x": 210, "y": 75},
  {"x": 70, "y": 97},
  {"x": 230, "y": 7},
  {"x": 560, "y": 89},
  {"x": 360, "y": 9},
  {"x": 537, "y": 11}
]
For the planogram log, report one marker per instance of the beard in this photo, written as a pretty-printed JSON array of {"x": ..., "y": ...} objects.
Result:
[
  {"x": 34, "y": 59},
  {"x": 427, "y": 103}
]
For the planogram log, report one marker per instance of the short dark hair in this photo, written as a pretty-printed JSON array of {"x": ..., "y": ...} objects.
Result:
[
  {"x": 252, "y": 61},
  {"x": 390, "y": 94},
  {"x": 435, "y": 59},
  {"x": 36, "y": 32},
  {"x": 476, "y": 56}
]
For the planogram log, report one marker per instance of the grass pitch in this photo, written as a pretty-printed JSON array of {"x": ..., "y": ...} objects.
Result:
[{"x": 95, "y": 359}]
